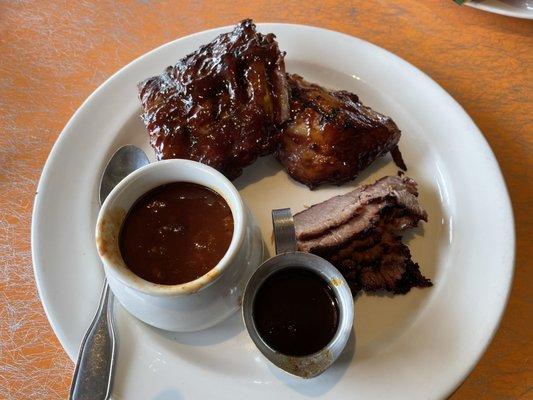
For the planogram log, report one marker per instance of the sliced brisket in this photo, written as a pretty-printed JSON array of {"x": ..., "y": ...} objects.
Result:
[{"x": 360, "y": 234}]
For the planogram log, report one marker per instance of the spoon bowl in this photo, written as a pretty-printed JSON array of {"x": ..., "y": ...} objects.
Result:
[{"x": 124, "y": 161}]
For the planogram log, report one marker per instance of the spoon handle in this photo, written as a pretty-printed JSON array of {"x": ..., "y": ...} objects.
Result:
[{"x": 94, "y": 369}]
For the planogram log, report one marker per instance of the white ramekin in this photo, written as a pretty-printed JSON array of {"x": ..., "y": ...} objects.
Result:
[{"x": 194, "y": 305}]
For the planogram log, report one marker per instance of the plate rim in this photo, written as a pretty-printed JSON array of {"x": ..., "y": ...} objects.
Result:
[
  {"x": 500, "y": 11},
  {"x": 475, "y": 134}
]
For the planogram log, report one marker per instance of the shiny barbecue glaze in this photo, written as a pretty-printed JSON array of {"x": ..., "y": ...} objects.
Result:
[
  {"x": 296, "y": 312},
  {"x": 176, "y": 233},
  {"x": 219, "y": 104},
  {"x": 331, "y": 137}
]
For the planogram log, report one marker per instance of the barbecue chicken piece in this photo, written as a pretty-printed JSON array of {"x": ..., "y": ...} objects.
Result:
[
  {"x": 331, "y": 137},
  {"x": 219, "y": 105}
]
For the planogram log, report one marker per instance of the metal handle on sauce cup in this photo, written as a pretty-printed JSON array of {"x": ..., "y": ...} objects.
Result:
[{"x": 284, "y": 232}]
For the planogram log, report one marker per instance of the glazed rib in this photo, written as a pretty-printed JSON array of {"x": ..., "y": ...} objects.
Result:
[{"x": 220, "y": 104}]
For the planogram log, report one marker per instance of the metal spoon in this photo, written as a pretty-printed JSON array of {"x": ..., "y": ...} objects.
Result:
[{"x": 94, "y": 370}]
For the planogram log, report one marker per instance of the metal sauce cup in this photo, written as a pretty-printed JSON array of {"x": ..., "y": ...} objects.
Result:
[{"x": 287, "y": 257}]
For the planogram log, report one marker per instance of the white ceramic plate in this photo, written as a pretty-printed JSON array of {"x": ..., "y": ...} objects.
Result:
[
  {"x": 511, "y": 8},
  {"x": 421, "y": 345}
]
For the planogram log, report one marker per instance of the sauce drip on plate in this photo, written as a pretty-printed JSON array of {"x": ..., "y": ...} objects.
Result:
[
  {"x": 176, "y": 233},
  {"x": 296, "y": 312}
]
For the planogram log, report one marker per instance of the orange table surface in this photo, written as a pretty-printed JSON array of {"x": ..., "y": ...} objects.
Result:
[{"x": 54, "y": 54}]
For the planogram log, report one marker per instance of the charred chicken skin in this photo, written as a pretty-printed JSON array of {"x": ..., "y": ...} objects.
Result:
[{"x": 331, "y": 137}]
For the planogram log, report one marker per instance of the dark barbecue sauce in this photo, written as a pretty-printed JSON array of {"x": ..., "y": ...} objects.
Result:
[
  {"x": 296, "y": 312},
  {"x": 176, "y": 233}
]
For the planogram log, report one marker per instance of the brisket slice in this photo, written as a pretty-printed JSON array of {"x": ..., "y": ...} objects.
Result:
[
  {"x": 384, "y": 265},
  {"x": 360, "y": 235},
  {"x": 334, "y": 222}
]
